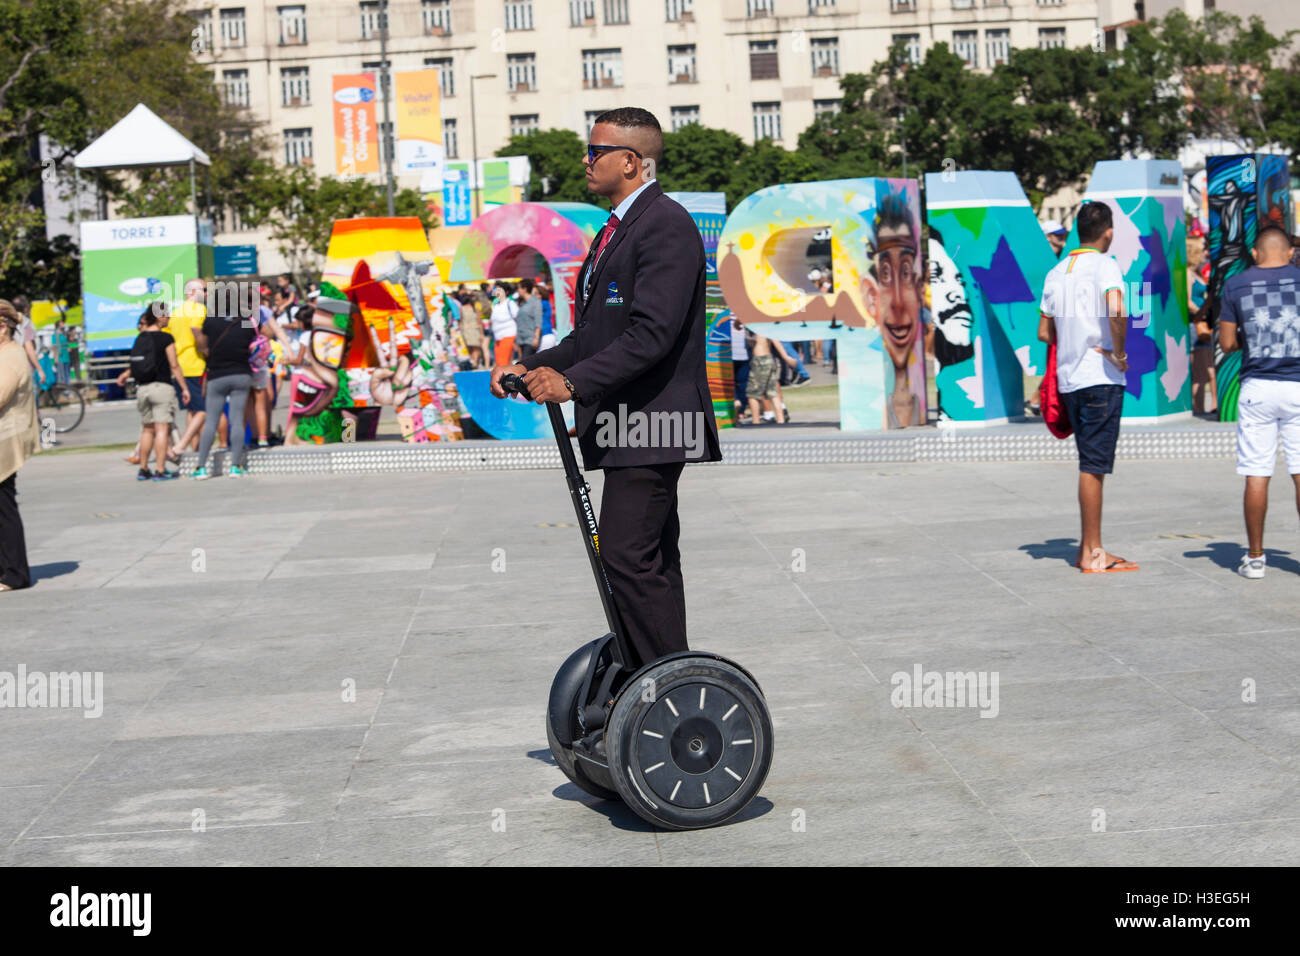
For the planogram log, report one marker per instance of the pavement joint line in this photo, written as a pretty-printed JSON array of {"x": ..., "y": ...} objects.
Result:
[
  {"x": 809, "y": 601},
  {"x": 102, "y": 834},
  {"x": 140, "y": 558},
  {"x": 460, "y": 488},
  {"x": 978, "y": 799},
  {"x": 1191, "y": 570},
  {"x": 64, "y": 789},
  {"x": 1184, "y": 826}
]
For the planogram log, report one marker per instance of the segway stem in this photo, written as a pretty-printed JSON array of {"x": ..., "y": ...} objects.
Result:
[{"x": 580, "y": 491}]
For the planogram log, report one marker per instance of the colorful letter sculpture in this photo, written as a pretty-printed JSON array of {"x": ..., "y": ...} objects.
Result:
[
  {"x": 505, "y": 419},
  {"x": 392, "y": 350},
  {"x": 1146, "y": 203},
  {"x": 709, "y": 210},
  {"x": 1245, "y": 191},
  {"x": 988, "y": 261},
  {"x": 874, "y": 308},
  {"x": 515, "y": 241}
]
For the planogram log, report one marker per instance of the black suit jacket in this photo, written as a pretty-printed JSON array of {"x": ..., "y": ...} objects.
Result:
[{"x": 638, "y": 343}]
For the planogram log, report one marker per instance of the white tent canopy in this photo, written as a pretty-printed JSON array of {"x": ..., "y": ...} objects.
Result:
[{"x": 141, "y": 138}]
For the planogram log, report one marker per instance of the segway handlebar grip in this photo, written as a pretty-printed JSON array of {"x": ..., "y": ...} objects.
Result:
[{"x": 514, "y": 385}]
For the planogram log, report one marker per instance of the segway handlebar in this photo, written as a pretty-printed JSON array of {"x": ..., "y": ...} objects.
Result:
[{"x": 514, "y": 385}]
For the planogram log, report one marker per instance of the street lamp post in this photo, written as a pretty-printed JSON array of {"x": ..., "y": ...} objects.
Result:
[
  {"x": 385, "y": 82},
  {"x": 473, "y": 126}
]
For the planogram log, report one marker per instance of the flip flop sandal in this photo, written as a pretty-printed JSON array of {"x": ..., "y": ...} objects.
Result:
[{"x": 1113, "y": 566}]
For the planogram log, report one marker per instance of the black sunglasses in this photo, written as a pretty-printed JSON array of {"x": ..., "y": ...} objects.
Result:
[{"x": 594, "y": 152}]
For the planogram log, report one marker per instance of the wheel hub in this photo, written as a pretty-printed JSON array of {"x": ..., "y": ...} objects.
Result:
[{"x": 695, "y": 745}]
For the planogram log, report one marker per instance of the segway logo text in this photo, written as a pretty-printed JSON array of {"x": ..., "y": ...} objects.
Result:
[
  {"x": 946, "y": 689},
  {"x": 652, "y": 430}
]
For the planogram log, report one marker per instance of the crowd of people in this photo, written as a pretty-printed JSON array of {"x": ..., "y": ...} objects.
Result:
[
  {"x": 222, "y": 371},
  {"x": 501, "y": 322}
]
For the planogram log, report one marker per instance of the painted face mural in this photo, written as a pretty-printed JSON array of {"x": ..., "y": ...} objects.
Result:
[
  {"x": 319, "y": 389},
  {"x": 893, "y": 293},
  {"x": 953, "y": 318}
]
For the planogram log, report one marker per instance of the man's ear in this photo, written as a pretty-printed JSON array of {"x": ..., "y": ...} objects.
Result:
[{"x": 871, "y": 297}]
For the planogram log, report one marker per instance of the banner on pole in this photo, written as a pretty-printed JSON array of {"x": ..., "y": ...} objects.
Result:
[{"x": 356, "y": 133}]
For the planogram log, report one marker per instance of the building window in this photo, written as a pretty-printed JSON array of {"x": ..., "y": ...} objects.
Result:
[
  {"x": 767, "y": 121},
  {"x": 679, "y": 10},
  {"x": 449, "y": 142},
  {"x": 966, "y": 44},
  {"x": 962, "y": 4},
  {"x": 995, "y": 3},
  {"x": 1057, "y": 3},
  {"x": 233, "y": 27},
  {"x": 615, "y": 12},
  {"x": 202, "y": 31},
  {"x": 235, "y": 87},
  {"x": 297, "y": 146},
  {"x": 446, "y": 75},
  {"x": 823, "y": 107},
  {"x": 523, "y": 124},
  {"x": 902, "y": 6},
  {"x": 911, "y": 45},
  {"x": 763, "y": 60},
  {"x": 519, "y": 14},
  {"x": 602, "y": 68},
  {"x": 591, "y": 120},
  {"x": 382, "y": 76},
  {"x": 293, "y": 25},
  {"x": 1050, "y": 38},
  {"x": 681, "y": 64},
  {"x": 758, "y": 8},
  {"x": 818, "y": 6},
  {"x": 436, "y": 17},
  {"x": 997, "y": 46},
  {"x": 370, "y": 19},
  {"x": 825, "y": 56},
  {"x": 684, "y": 116},
  {"x": 582, "y": 13},
  {"x": 294, "y": 86},
  {"x": 521, "y": 72}
]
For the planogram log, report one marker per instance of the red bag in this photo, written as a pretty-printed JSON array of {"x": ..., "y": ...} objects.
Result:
[{"x": 1054, "y": 413}]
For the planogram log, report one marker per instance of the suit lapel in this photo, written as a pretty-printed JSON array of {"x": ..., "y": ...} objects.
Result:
[{"x": 643, "y": 201}]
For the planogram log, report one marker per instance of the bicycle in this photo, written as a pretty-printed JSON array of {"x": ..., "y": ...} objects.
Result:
[{"x": 62, "y": 404}]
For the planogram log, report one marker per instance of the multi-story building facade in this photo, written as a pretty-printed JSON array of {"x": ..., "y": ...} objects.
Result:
[{"x": 760, "y": 68}]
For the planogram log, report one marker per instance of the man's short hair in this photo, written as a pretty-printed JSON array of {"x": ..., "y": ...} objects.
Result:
[
  {"x": 633, "y": 117},
  {"x": 527, "y": 285},
  {"x": 1093, "y": 220},
  {"x": 1272, "y": 235}
]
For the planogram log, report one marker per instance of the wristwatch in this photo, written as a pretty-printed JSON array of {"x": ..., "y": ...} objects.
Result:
[{"x": 573, "y": 392}]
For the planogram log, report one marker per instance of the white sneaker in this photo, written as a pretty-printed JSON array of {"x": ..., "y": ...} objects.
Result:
[{"x": 1251, "y": 567}]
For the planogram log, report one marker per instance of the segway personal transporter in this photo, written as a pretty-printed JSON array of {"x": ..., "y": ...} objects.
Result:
[{"x": 685, "y": 741}]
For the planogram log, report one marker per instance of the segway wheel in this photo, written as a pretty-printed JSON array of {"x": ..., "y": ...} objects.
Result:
[
  {"x": 689, "y": 742},
  {"x": 562, "y": 727}
]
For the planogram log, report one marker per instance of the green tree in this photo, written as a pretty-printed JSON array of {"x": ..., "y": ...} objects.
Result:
[
  {"x": 556, "y": 157},
  {"x": 853, "y": 140},
  {"x": 701, "y": 159}
]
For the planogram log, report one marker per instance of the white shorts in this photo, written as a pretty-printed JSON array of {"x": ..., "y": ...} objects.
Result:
[{"x": 1266, "y": 410}]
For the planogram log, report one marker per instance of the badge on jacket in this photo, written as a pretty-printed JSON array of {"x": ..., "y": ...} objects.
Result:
[{"x": 612, "y": 295}]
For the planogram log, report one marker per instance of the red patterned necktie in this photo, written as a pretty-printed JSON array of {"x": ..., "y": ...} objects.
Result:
[{"x": 608, "y": 234}]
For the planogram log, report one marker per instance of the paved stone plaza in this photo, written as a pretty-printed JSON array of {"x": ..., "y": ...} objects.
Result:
[{"x": 228, "y": 701}]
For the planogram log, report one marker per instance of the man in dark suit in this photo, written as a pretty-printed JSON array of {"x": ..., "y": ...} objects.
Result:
[{"x": 634, "y": 367}]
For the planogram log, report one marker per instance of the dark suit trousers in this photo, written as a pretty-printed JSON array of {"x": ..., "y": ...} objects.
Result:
[
  {"x": 13, "y": 546},
  {"x": 638, "y": 543}
]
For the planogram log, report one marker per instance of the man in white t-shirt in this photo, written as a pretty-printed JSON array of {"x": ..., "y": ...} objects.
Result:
[{"x": 1082, "y": 313}]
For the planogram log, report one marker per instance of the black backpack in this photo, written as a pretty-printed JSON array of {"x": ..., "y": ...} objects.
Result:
[{"x": 144, "y": 359}]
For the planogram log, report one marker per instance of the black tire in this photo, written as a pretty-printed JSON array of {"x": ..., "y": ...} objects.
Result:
[
  {"x": 65, "y": 406},
  {"x": 562, "y": 727},
  {"x": 698, "y": 751}
]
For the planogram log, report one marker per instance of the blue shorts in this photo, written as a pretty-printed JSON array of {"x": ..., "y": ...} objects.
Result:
[
  {"x": 1094, "y": 412},
  {"x": 195, "y": 384}
]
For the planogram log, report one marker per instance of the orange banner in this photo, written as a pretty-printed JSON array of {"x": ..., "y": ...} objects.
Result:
[{"x": 356, "y": 133}]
